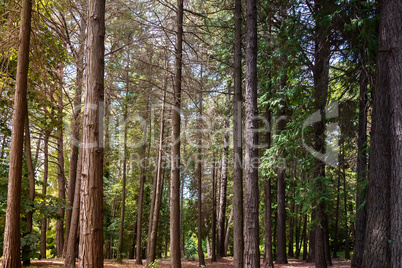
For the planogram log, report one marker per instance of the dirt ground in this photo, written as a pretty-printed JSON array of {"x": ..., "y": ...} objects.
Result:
[{"x": 223, "y": 262}]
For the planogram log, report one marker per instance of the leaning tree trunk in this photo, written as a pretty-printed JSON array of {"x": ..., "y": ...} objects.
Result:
[
  {"x": 251, "y": 209},
  {"x": 238, "y": 239},
  {"x": 11, "y": 245},
  {"x": 91, "y": 225},
  {"x": 175, "y": 154}
]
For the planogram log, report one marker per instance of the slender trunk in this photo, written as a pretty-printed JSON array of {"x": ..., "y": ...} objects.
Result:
[
  {"x": 337, "y": 215},
  {"x": 31, "y": 176},
  {"x": 345, "y": 196},
  {"x": 201, "y": 260},
  {"x": 43, "y": 239},
  {"x": 138, "y": 259},
  {"x": 91, "y": 225},
  {"x": 291, "y": 227},
  {"x": 175, "y": 153},
  {"x": 74, "y": 224},
  {"x": 75, "y": 133},
  {"x": 213, "y": 257},
  {"x": 238, "y": 239},
  {"x": 158, "y": 190},
  {"x": 268, "y": 256},
  {"x": 222, "y": 197},
  {"x": 11, "y": 245},
  {"x": 123, "y": 200},
  {"x": 227, "y": 235},
  {"x": 251, "y": 208},
  {"x": 304, "y": 235},
  {"x": 60, "y": 175},
  {"x": 298, "y": 240}
]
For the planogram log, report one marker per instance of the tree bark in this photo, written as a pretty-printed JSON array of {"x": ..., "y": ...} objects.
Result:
[
  {"x": 11, "y": 245},
  {"x": 91, "y": 226},
  {"x": 390, "y": 21},
  {"x": 251, "y": 210},
  {"x": 175, "y": 153},
  {"x": 238, "y": 239}
]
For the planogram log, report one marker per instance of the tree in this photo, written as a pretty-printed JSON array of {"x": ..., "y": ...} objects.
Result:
[
  {"x": 175, "y": 154},
  {"x": 11, "y": 245},
  {"x": 91, "y": 226},
  {"x": 238, "y": 239},
  {"x": 251, "y": 225}
]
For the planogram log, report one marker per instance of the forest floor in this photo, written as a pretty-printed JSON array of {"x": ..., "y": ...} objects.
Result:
[{"x": 223, "y": 262}]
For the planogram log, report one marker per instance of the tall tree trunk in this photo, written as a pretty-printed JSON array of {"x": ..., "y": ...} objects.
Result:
[
  {"x": 43, "y": 239},
  {"x": 377, "y": 251},
  {"x": 201, "y": 260},
  {"x": 175, "y": 153},
  {"x": 91, "y": 227},
  {"x": 361, "y": 195},
  {"x": 238, "y": 239},
  {"x": 251, "y": 210},
  {"x": 75, "y": 133},
  {"x": 132, "y": 247},
  {"x": 151, "y": 255},
  {"x": 123, "y": 199},
  {"x": 222, "y": 196},
  {"x": 26, "y": 250},
  {"x": 138, "y": 257},
  {"x": 213, "y": 257},
  {"x": 281, "y": 257},
  {"x": 393, "y": 13},
  {"x": 268, "y": 256},
  {"x": 60, "y": 174},
  {"x": 345, "y": 196},
  {"x": 321, "y": 79},
  {"x": 74, "y": 224},
  {"x": 11, "y": 245}
]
